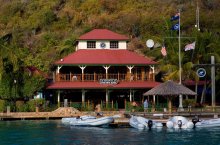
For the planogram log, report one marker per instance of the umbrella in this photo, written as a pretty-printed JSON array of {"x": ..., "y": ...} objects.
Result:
[{"x": 170, "y": 89}]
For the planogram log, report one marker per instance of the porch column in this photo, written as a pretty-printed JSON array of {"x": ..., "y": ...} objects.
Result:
[
  {"x": 154, "y": 99},
  {"x": 142, "y": 74},
  {"x": 106, "y": 67},
  {"x": 58, "y": 98},
  {"x": 130, "y": 96},
  {"x": 82, "y": 68},
  {"x": 58, "y": 72},
  {"x": 130, "y": 68},
  {"x": 58, "y": 69},
  {"x": 153, "y": 72},
  {"x": 83, "y": 95},
  {"x": 106, "y": 95}
]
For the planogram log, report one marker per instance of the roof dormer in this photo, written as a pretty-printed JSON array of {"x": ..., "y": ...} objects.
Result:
[{"x": 102, "y": 39}]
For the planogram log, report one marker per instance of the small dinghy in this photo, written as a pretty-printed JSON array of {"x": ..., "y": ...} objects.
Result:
[
  {"x": 135, "y": 123},
  {"x": 206, "y": 123},
  {"x": 179, "y": 122},
  {"x": 67, "y": 120},
  {"x": 92, "y": 121},
  {"x": 142, "y": 123}
]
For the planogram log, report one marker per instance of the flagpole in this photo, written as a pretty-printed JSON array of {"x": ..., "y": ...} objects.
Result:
[{"x": 180, "y": 67}]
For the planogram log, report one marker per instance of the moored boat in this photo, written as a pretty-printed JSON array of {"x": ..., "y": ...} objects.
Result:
[
  {"x": 92, "y": 121},
  {"x": 141, "y": 123},
  {"x": 67, "y": 120},
  {"x": 207, "y": 123},
  {"x": 179, "y": 122},
  {"x": 135, "y": 123}
]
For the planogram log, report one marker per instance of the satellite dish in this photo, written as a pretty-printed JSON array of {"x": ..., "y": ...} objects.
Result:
[{"x": 150, "y": 43}]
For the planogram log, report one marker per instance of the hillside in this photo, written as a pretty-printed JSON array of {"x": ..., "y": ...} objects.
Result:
[{"x": 38, "y": 32}]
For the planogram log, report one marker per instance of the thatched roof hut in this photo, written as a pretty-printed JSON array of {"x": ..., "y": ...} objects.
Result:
[{"x": 170, "y": 89}]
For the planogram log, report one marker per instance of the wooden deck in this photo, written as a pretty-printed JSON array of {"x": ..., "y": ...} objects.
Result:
[{"x": 123, "y": 121}]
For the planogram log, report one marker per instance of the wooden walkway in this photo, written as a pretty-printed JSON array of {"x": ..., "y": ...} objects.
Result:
[{"x": 124, "y": 120}]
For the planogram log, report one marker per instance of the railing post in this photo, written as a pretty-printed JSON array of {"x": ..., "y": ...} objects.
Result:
[
  {"x": 125, "y": 104},
  {"x": 94, "y": 76}
]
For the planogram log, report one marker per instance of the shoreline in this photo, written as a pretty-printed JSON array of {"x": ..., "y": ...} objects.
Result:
[{"x": 72, "y": 112}]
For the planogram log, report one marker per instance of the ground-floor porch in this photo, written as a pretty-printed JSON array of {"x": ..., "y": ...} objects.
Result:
[{"x": 109, "y": 99}]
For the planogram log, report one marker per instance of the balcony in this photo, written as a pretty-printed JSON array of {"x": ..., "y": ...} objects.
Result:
[{"x": 96, "y": 77}]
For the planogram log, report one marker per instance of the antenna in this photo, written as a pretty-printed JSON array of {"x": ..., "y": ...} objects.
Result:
[
  {"x": 197, "y": 16},
  {"x": 150, "y": 43}
]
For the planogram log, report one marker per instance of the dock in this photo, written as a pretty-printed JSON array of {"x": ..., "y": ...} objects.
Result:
[{"x": 123, "y": 121}]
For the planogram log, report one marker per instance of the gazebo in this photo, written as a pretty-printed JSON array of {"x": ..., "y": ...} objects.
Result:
[{"x": 170, "y": 89}]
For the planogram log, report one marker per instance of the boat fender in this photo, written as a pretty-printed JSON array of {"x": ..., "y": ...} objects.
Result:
[
  {"x": 179, "y": 123},
  {"x": 189, "y": 125},
  {"x": 169, "y": 124},
  {"x": 150, "y": 124}
]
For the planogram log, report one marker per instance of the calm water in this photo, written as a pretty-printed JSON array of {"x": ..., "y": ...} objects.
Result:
[{"x": 54, "y": 133}]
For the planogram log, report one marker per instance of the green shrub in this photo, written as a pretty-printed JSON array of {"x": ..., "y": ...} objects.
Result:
[
  {"x": 36, "y": 103},
  {"x": 2, "y": 106},
  {"x": 189, "y": 102},
  {"x": 12, "y": 106},
  {"x": 19, "y": 106},
  {"x": 78, "y": 106}
]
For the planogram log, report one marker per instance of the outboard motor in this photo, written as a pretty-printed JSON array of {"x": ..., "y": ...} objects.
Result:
[
  {"x": 100, "y": 114},
  {"x": 179, "y": 123},
  {"x": 150, "y": 124},
  {"x": 195, "y": 120}
]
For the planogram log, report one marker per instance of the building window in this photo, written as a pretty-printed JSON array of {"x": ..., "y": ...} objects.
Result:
[
  {"x": 113, "y": 44},
  {"x": 91, "y": 44}
]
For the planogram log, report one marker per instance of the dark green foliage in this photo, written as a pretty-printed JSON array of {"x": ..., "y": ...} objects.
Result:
[
  {"x": 32, "y": 84},
  {"x": 45, "y": 31},
  {"x": 32, "y": 104},
  {"x": 189, "y": 102},
  {"x": 2, "y": 105}
]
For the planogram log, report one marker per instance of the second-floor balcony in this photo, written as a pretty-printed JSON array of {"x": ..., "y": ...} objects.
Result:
[{"x": 96, "y": 77}]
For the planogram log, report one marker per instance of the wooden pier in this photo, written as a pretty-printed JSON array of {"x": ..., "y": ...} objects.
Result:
[{"x": 118, "y": 122}]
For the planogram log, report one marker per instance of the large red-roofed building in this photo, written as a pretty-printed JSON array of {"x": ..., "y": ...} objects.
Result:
[{"x": 103, "y": 70}]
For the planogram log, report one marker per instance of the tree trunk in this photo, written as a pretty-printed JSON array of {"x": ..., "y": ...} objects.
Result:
[{"x": 203, "y": 94}]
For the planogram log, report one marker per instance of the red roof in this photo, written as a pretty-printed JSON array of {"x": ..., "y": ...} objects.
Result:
[
  {"x": 102, "y": 34},
  {"x": 104, "y": 57},
  {"x": 97, "y": 85}
]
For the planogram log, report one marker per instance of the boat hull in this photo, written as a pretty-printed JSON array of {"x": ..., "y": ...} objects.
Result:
[
  {"x": 142, "y": 123},
  {"x": 67, "y": 120},
  {"x": 135, "y": 123},
  {"x": 92, "y": 122},
  {"x": 208, "y": 123},
  {"x": 175, "y": 121}
]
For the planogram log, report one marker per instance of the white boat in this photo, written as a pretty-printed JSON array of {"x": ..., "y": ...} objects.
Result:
[
  {"x": 179, "y": 122},
  {"x": 208, "y": 123},
  {"x": 67, "y": 120},
  {"x": 135, "y": 123},
  {"x": 141, "y": 123},
  {"x": 92, "y": 121}
]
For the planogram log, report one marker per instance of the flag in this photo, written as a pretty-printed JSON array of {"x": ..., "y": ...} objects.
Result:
[
  {"x": 175, "y": 27},
  {"x": 190, "y": 46},
  {"x": 175, "y": 17},
  {"x": 163, "y": 51}
]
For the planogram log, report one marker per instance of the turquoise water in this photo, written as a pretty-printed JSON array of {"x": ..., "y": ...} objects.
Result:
[{"x": 54, "y": 133}]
